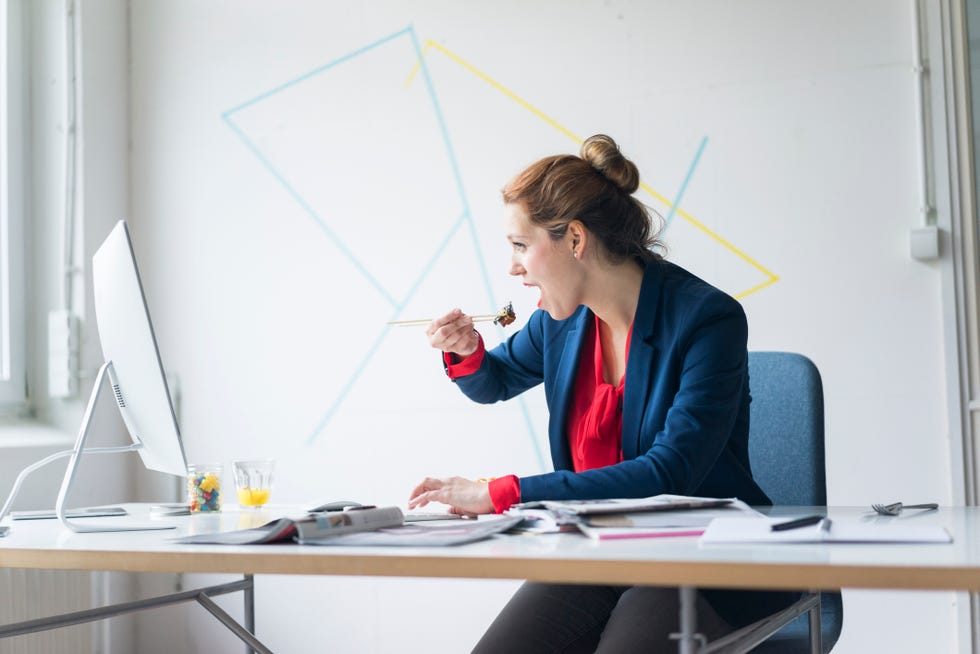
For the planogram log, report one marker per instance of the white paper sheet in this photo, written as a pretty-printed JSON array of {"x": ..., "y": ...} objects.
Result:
[{"x": 759, "y": 530}]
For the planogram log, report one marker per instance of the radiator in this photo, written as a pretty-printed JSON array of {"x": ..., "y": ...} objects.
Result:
[{"x": 31, "y": 594}]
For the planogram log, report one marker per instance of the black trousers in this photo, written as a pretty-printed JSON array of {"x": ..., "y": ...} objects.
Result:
[{"x": 551, "y": 618}]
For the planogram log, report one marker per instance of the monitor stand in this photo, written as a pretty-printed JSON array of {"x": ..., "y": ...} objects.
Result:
[{"x": 105, "y": 375}]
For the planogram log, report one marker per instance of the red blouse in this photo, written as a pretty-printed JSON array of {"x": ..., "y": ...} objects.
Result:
[{"x": 595, "y": 417}]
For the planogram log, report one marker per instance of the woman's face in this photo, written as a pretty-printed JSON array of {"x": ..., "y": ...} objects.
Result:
[{"x": 543, "y": 263}]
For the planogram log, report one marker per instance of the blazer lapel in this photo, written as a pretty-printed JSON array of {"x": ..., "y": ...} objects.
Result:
[{"x": 642, "y": 358}]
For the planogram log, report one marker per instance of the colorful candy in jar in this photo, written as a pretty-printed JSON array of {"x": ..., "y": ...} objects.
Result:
[{"x": 204, "y": 490}]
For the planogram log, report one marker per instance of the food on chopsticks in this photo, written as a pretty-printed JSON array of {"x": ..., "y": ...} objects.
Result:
[{"x": 505, "y": 316}]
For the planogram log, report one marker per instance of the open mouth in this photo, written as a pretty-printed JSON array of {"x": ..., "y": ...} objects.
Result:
[{"x": 526, "y": 285}]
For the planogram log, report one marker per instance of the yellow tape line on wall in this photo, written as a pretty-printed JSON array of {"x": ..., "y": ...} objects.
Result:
[{"x": 771, "y": 278}]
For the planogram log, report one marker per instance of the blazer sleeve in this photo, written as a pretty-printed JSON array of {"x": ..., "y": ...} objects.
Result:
[
  {"x": 509, "y": 369},
  {"x": 711, "y": 361}
]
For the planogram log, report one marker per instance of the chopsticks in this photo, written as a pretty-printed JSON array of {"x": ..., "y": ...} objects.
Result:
[
  {"x": 486, "y": 317},
  {"x": 503, "y": 318}
]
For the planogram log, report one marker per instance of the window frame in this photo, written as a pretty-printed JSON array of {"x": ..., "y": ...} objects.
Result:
[{"x": 14, "y": 130}]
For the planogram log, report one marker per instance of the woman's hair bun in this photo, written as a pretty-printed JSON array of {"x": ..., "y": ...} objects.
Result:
[{"x": 602, "y": 153}]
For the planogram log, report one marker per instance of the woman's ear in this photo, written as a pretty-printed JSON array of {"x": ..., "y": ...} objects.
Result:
[{"x": 578, "y": 238}]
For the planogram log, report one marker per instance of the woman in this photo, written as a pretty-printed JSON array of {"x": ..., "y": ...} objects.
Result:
[{"x": 646, "y": 379}]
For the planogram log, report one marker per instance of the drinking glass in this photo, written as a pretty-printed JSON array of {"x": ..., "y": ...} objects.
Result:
[{"x": 253, "y": 481}]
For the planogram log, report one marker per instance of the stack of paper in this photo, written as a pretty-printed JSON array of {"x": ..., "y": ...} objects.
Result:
[
  {"x": 648, "y": 517},
  {"x": 542, "y": 521},
  {"x": 655, "y": 503},
  {"x": 689, "y": 520}
]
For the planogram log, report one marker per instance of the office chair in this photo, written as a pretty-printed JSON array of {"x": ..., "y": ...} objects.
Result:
[{"x": 786, "y": 452}]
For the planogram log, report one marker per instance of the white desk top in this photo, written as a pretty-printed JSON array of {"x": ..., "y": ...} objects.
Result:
[{"x": 567, "y": 557}]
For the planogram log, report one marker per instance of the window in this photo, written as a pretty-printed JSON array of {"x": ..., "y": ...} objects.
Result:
[{"x": 13, "y": 180}]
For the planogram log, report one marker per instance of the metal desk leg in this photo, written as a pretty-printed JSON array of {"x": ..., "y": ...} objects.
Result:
[
  {"x": 816, "y": 631},
  {"x": 229, "y": 622},
  {"x": 201, "y": 595},
  {"x": 689, "y": 640},
  {"x": 249, "y": 597}
]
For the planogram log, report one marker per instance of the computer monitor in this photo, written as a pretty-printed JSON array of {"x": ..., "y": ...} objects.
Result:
[
  {"x": 132, "y": 362},
  {"x": 134, "y": 371},
  {"x": 129, "y": 344}
]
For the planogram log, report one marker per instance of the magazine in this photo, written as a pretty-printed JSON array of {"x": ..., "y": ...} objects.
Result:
[
  {"x": 308, "y": 529},
  {"x": 367, "y": 526}
]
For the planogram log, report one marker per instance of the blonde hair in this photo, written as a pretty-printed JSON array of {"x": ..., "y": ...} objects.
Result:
[{"x": 594, "y": 188}]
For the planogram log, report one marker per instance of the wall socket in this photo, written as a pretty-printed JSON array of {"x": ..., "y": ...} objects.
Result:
[{"x": 62, "y": 354}]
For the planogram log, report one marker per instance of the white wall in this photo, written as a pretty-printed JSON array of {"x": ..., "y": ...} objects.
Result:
[{"x": 290, "y": 187}]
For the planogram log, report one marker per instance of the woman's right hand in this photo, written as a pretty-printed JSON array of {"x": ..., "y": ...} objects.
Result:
[{"x": 453, "y": 333}]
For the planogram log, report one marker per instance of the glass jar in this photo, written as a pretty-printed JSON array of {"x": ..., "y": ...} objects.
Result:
[{"x": 204, "y": 487}]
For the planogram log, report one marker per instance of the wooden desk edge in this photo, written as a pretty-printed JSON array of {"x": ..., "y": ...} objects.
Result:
[{"x": 721, "y": 574}]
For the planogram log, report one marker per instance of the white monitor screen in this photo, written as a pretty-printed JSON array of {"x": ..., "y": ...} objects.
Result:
[{"x": 128, "y": 342}]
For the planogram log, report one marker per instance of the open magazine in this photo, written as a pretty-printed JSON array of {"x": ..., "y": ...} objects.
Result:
[
  {"x": 367, "y": 526},
  {"x": 310, "y": 528}
]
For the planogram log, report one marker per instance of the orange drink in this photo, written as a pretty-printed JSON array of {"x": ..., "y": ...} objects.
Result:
[{"x": 253, "y": 496}]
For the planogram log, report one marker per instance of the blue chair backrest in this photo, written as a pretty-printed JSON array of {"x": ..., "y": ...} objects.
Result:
[{"x": 786, "y": 448}]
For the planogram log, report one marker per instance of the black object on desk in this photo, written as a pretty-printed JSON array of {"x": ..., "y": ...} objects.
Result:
[
  {"x": 799, "y": 522},
  {"x": 337, "y": 505}
]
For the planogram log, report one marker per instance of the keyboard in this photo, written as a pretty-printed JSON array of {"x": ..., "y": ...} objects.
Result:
[{"x": 90, "y": 512}]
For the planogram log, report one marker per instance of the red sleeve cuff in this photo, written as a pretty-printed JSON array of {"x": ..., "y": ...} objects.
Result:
[
  {"x": 504, "y": 492},
  {"x": 467, "y": 366}
]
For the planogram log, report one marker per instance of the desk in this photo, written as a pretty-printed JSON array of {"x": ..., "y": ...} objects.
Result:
[{"x": 561, "y": 558}]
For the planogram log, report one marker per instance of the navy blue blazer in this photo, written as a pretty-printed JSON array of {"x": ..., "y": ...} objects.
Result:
[{"x": 685, "y": 403}]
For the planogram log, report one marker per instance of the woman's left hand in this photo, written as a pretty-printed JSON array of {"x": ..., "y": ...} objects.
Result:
[{"x": 463, "y": 496}]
